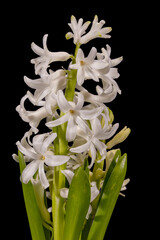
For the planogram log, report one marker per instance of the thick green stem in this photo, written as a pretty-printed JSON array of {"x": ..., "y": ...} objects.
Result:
[
  {"x": 72, "y": 79},
  {"x": 58, "y": 183},
  {"x": 61, "y": 148}
]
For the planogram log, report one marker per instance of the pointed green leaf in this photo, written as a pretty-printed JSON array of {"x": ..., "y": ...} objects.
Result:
[
  {"x": 111, "y": 167},
  {"x": 33, "y": 213},
  {"x": 77, "y": 205},
  {"x": 108, "y": 200},
  {"x": 90, "y": 220}
]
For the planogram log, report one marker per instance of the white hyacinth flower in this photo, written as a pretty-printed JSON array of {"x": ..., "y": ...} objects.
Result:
[
  {"x": 109, "y": 73},
  {"x": 38, "y": 155},
  {"x": 46, "y": 57},
  {"x": 72, "y": 111},
  {"x": 76, "y": 161},
  {"x": 87, "y": 67},
  {"x": 93, "y": 137},
  {"x": 46, "y": 85},
  {"x": 96, "y": 31},
  {"x": 78, "y": 29},
  {"x": 32, "y": 117},
  {"x": 65, "y": 191}
]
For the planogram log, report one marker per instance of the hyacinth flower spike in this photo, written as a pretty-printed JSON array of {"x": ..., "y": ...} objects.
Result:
[{"x": 70, "y": 173}]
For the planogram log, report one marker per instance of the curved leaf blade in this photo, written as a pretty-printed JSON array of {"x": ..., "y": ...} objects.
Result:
[
  {"x": 108, "y": 200},
  {"x": 77, "y": 205},
  {"x": 33, "y": 213}
]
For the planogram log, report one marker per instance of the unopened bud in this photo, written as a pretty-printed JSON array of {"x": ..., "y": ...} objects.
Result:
[{"x": 119, "y": 137}]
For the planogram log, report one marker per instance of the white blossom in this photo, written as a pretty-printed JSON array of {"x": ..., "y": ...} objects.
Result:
[
  {"x": 87, "y": 67},
  {"x": 76, "y": 161},
  {"x": 72, "y": 111},
  {"x": 46, "y": 57},
  {"x": 87, "y": 121},
  {"x": 78, "y": 29},
  {"x": 93, "y": 138},
  {"x": 32, "y": 117},
  {"x": 96, "y": 31},
  {"x": 45, "y": 87},
  {"x": 38, "y": 154},
  {"x": 109, "y": 73}
]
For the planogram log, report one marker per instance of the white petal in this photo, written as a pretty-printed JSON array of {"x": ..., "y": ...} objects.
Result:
[
  {"x": 116, "y": 61},
  {"x": 55, "y": 160},
  {"x": 104, "y": 98},
  {"x": 94, "y": 191},
  {"x": 83, "y": 126},
  {"x": 48, "y": 141},
  {"x": 80, "y": 101},
  {"x": 39, "y": 51},
  {"x": 92, "y": 54},
  {"x": 82, "y": 148},
  {"x": 80, "y": 55},
  {"x": 90, "y": 114},
  {"x": 29, "y": 171},
  {"x": 62, "y": 102},
  {"x": 37, "y": 142},
  {"x": 98, "y": 64},
  {"x": 42, "y": 175},
  {"x": 45, "y": 42},
  {"x": 80, "y": 76},
  {"x": 15, "y": 157},
  {"x": 58, "y": 121},
  {"x": 35, "y": 84},
  {"x": 109, "y": 134},
  {"x": 91, "y": 74},
  {"x": 93, "y": 154},
  {"x": 89, "y": 212},
  {"x": 68, "y": 174},
  {"x": 25, "y": 151},
  {"x": 100, "y": 146},
  {"x": 64, "y": 192},
  {"x": 71, "y": 130}
]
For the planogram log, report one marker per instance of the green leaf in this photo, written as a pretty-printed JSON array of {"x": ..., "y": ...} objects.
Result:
[
  {"x": 111, "y": 167},
  {"x": 33, "y": 213},
  {"x": 77, "y": 205},
  {"x": 108, "y": 200}
]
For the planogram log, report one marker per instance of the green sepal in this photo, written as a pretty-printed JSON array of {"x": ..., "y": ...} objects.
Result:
[
  {"x": 77, "y": 205},
  {"x": 34, "y": 217},
  {"x": 108, "y": 199}
]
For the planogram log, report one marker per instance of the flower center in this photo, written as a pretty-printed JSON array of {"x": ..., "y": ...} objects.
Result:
[
  {"x": 82, "y": 63},
  {"x": 42, "y": 157},
  {"x": 71, "y": 111}
]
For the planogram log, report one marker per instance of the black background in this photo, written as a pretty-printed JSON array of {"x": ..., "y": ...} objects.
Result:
[{"x": 134, "y": 38}]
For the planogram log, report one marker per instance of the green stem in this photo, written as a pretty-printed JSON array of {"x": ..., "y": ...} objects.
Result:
[
  {"x": 72, "y": 79},
  {"x": 61, "y": 148}
]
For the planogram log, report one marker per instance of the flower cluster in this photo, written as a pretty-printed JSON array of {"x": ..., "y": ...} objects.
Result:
[{"x": 80, "y": 125}]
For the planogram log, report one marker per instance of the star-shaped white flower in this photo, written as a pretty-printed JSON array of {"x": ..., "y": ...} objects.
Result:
[
  {"x": 93, "y": 137},
  {"x": 87, "y": 67},
  {"x": 39, "y": 154},
  {"x": 72, "y": 111}
]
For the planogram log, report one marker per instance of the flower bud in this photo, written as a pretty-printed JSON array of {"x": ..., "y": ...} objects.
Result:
[{"x": 119, "y": 137}]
